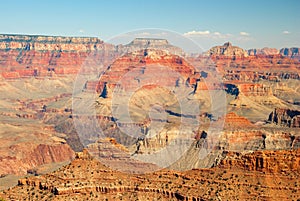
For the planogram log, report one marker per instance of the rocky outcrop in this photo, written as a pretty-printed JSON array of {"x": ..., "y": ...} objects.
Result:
[
  {"x": 254, "y": 76},
  {"x": 263, "y": 175},
  {"x": 239, "y": 134},
  {"x": 232, "y": 120},
  {"x": 49, "y": 43},
  {"x": 293, "y": 52},
  {"x": 285, "y": 117},
  {"x": 117, "y": 157},
  {"x": 39, "y": 56},
  {"x": 151, "y": 43},
  {"x": 137, "y": 68},
  {"x": 227, "y": 51},
  {"x": 249, "y": 89},
  {"x": 27, "y": 142},
  {"x": 34, "y": 156},
  {"x": 264, "y": 161},
  {"x": 263, "y": 52},
  {"x": 245, "y": 93}
]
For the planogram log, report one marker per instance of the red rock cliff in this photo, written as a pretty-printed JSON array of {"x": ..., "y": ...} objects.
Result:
[
  {"x": 34, "y": 156},
  {"x": 264, "y": 161},
  {"x": 23, "y": 56}
]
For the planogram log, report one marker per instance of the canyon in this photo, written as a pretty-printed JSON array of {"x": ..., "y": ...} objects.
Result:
[{"x": 63, "y": 120}]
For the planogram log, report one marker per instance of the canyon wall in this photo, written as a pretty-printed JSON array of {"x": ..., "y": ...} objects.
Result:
[
  {"x": 285, "y": 117},
  {"x": 264, "y": 161},
  {"x": 85, "y": 178},
  {"x": 33, "y": 156},
  {"x": 138, "y": 68},
  {"x": 27, "y": 56}
]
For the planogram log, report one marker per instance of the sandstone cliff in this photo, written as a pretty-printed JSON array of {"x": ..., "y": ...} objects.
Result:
[
  {"x": 227, "y": 51},
  {"x": 33, "y": 157},
  {"x": 151, "y": 43},
  {"x": 49, "y": 43},
  {"x": 285, "y": 117},
  {"x": 264, "y": 161},
  {"x": 39, "y": 56},
  {"x": 293, "y": 52},
  {"x": 136, "y": 66},
  {"x": 264, "y": 51},
  {"x": 269, "y": 178}
]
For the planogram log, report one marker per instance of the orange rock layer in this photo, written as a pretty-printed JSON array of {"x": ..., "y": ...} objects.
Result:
[{"x": 86, "y": 178}]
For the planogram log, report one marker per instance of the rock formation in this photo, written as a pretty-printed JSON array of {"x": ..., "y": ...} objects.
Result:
[
  {"x": 257, "y": 175},
  {"x": 232, "y": 120},
  {"x": 264, "y": 161},
  {"x": 35, "y": 156},
  {"x": 285, "y": 117},
  {"x": 27, "y": 141},
  {"x": 227, "y": 51},
  {"x": 49, "y": 43},
  {"x": 293, "y": 52},
  {"x": 263, "y": 52},
  {"x": 248, "y": 89},
  {"x": 151, "y": 43},
  {"x": 140, "y": 64},
  {"x": 39, "y": 56}
]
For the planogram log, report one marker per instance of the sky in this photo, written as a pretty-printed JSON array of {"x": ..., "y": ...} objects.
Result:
[{"x": 248, "y": 24}]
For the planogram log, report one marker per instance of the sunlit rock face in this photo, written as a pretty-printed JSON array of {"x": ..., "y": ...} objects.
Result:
[
  {"x": 40, "y": 56},
  {"x": 227, "y": 50}
]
